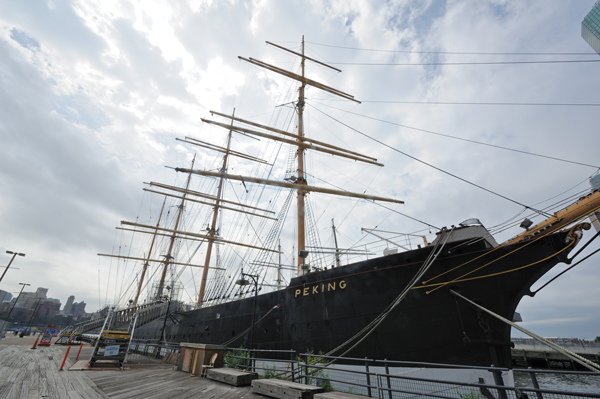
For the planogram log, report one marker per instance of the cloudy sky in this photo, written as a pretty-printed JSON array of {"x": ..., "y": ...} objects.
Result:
[{"x": 93, "y": 95}]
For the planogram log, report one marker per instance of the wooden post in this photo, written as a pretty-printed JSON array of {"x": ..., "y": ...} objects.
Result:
[
  {"x": 213, "y": 225},
  {"x": 301, "y": 179}
]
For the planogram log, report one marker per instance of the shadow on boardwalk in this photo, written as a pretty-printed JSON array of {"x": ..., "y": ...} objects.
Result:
[{"x": 27, "y": 373}]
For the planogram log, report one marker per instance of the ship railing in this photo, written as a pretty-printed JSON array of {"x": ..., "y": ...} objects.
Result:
[
  {"x": 152, "y": 352},
  {"x": 269, "y": 363}
]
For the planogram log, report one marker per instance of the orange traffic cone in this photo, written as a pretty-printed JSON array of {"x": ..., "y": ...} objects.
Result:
[{"x": 35, "y": 343}]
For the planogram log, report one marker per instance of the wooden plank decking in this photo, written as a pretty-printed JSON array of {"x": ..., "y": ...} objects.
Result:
[
  {"x": 27, "y": 373},
  {"x": 160, "y": 382}
]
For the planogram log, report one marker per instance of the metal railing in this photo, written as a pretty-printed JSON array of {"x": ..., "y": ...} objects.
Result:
[
  {"x": 271, "y": 363},
  {"x": 151, "y": 352},
  {"x": 386, "y": 379}
]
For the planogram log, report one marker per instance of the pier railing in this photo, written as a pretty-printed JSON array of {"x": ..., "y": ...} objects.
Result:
[
  {"x": 397, "y": 379},
  {"x": 151, "y": 352}
]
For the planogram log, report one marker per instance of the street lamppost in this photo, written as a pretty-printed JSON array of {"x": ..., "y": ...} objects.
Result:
[
  {"x": 242, "y": 282},
  {"x": 162, "y": 334},
  {"x": 28, "y": 330},
  {"x": 17, "y": 300},
  {"x": 11, "y": 260}
]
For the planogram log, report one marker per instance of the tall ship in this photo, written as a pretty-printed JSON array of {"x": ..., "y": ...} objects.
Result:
[{"x": 407, "y": 304}]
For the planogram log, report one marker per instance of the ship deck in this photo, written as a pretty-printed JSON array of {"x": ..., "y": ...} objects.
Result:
[{"x": 29, "y": 373}]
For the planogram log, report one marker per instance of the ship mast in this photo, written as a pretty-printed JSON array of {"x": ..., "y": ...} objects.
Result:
[
  {"x": 137, "y": 296},
  {"x": 168, "y": 256},
  {"x": 301, "y": 179},
  {"x": 299, "y": 140},
  {"x": 211, "y": 233}
]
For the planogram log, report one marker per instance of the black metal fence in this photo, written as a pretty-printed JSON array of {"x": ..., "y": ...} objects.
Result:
[
  {"x": 398, "y": 380},
  {"x": 144, "y": 352}
]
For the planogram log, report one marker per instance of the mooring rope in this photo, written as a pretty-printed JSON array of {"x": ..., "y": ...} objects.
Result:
[
  {"x": 383, "y": 315},
  {"x": 571, "y": 355}
]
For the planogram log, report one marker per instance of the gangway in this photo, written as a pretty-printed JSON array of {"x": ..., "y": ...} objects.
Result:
[{"x": 121, "y": 319}]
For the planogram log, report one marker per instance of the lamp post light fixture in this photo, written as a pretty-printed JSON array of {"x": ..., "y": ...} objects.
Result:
[{"x": 11, "y": 260}]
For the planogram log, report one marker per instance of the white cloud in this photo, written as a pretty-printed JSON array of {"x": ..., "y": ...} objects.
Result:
[{"x": 92, "y": 111}]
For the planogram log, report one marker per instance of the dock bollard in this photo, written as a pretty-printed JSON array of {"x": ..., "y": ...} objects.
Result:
[
  {"x": 35, "y": 343},
  {"x": 80, "y": 346},
  {"x": 65, "y": 359}
]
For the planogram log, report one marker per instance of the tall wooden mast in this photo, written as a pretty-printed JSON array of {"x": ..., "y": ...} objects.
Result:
[
  {"x": 168, "y": 256},
  {"x": 137, "y": 296},
  {"x": 300, "y": 184},
  {"x": 213, "y": 225},
  {"x": 301, "y": 179}
]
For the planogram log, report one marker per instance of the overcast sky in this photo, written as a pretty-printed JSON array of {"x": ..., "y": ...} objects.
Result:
[{"x": 93, "y": 95}]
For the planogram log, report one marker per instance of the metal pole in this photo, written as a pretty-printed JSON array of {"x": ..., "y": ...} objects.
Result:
[
  {"x": 498, "y": 381},
  {"x": 368, "y": 377},
  {"x": 16, "y": 301},
  {"x": 6, "y": 269},
  {"x": 534, "y": 381},
  {"x": 387, "y": 376},
  {"x": 33, "y": 314},
  {"x": 292, "y": 364},
  {"x": 9, "y": 263},
  {"x": 253, "y": 311},
  {"x": 163, "y": 327}
]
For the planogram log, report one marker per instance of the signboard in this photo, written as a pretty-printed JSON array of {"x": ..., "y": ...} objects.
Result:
[
  {"x": 47, "y": 335},
  {"x": 111, "y": 350}
]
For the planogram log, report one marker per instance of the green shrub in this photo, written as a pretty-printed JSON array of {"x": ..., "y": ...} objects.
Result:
[
  {"x": 318, "y": 376},
  {"x": 232, "y": 359}
]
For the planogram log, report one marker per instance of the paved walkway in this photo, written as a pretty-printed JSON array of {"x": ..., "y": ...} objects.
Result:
[{"x": 33, "y": 373}]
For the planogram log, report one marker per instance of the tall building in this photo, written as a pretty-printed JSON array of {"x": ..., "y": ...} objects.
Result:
[
  {"x": 5, "y": 296},
  {"x": 30, "y": 299},
  {"x": 78, "y": 309},
  {"x": 590, "y": 27},
  {"x": 69, "y": 305}
]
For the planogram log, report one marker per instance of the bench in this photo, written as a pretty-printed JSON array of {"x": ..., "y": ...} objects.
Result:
[
  {"x": 284, "y": 389},
  {"x": 335, "y": 395},
  {"x": 229, "y": 376}
]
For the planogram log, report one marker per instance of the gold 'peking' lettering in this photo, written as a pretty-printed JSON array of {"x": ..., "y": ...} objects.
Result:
[{"x": 314, "y": 289}]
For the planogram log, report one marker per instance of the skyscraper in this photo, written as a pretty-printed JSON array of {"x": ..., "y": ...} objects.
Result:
[
  {"x": 69, "y": 305},
  {"x": 590, "y": 27}
]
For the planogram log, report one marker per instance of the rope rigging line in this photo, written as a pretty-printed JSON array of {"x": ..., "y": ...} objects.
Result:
[
  {"x": 480, "y": 103},
  {"x": 466, "y": 63},
  {"x": 573, "y": 356},
  {"x": 428, "y": 164},
  {"x": 461, "y": 279},
  {"x": 458, "y": 138},
  {"x": 493, "y": 250},
  {"x": 372, "y": 326},
  {"x": 572, "y": 266},
  {"x": 440, "y": 52}
]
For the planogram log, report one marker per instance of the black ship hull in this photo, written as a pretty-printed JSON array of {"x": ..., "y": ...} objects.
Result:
[{"x": 321, "y": 310}]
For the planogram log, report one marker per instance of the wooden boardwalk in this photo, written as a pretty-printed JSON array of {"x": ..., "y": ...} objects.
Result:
[
  {"x": 27, "y": 373},
  {"x": 31, "y": 374},
  {"x": 161, "y": 382}
]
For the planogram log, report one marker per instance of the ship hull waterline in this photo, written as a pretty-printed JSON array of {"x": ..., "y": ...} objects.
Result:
[{"x": 319, "y": 311}]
